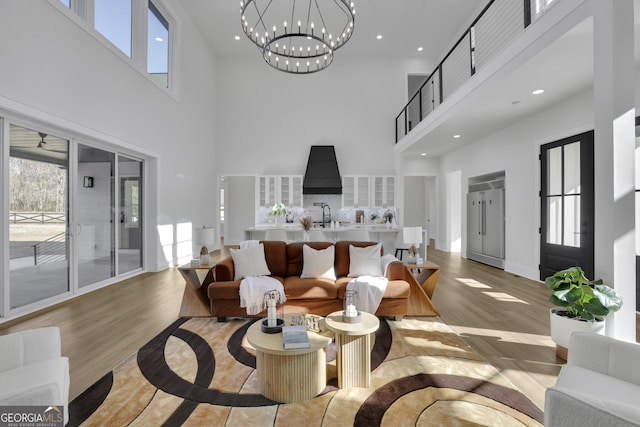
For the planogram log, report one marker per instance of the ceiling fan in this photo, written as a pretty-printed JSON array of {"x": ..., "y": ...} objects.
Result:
[
  {"x": 42, "y": 141},
  {"x": 42, "y": 144}
]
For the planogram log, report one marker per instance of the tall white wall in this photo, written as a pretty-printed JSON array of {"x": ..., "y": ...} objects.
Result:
[
  {"x": 515, "y": 150},
  {"x": 268, "y": 120},
  {"x": 54, "y": 72}
]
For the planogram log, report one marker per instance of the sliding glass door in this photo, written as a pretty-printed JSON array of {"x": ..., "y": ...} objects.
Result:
[
  {"x": 130, "y": 221},
  {"x": 38, "y": 216},
  {"x": 95, "y": 209},
  {"x": 73, "y": 216}
]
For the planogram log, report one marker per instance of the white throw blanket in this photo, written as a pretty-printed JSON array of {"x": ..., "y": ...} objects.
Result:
[
  {"x": 369, "y": 290},
  {"x": 252, "y": 290}
]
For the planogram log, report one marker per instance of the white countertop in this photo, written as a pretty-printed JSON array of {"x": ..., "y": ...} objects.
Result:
[{"x": 343, "y": 228}]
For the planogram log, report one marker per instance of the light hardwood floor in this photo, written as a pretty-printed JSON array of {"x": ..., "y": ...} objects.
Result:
[{"x": 504, "y": 317}]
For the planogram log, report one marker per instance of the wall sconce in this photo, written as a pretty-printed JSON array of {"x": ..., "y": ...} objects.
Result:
[{"x": 88, "y": 182}]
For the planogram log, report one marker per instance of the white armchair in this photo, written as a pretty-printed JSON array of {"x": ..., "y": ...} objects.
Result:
[
  {"x": 33, "y": 371},
  {"x": 599, "y": 385}
]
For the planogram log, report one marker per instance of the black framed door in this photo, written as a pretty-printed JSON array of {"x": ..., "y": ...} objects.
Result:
[{"x": 567, "y": 205}]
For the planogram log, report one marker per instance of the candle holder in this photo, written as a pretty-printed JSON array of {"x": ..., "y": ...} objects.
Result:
[
  {"x": 350, "y": 313},
  {"x": 274, "y": 321}
]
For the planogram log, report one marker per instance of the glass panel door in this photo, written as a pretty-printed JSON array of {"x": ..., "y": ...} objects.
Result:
[
  {"x": 95, "y": 231},
  {"x": 567, "y": 205},
  {"x": 38, "y": 239},
  {"x": 130, "y": 224}
]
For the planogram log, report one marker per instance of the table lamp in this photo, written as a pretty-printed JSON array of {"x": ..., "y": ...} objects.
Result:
[
  {"x": 412, "y": 236},
  {"x": 204, "y": 236},
  {"x": 350, "y": 313},
  {"x": 273, "y": 302}
]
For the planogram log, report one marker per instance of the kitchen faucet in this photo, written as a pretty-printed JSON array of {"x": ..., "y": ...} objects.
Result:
[{"x": 324, "y": 206}]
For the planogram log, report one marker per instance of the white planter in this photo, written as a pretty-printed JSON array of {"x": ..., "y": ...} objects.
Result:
[{"x": 562, "y": 327}]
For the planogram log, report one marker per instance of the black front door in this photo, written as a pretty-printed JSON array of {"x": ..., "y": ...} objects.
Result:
[{"x": 566, "y": 201}]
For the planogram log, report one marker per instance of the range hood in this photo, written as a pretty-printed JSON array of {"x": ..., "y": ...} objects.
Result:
[{"x": 322, "y": 175}]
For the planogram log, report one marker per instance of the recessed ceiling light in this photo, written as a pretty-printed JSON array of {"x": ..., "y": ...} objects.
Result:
[
  {"x": 159, "y": 39},
  {"x": 420, "y": 49},
  {"x": 538, "y": 91},
  {"x": 456, "y": 136},
  {"x": 379, "y": 36},
  {"x": 237, "y": 37},
  {"x": 423, "y": 154}
]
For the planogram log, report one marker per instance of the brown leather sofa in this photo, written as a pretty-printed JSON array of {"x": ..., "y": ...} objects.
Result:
[{"x": 305, "y": 295}]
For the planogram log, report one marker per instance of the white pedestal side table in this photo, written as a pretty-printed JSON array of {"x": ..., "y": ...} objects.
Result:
[
  {"x": 353, "y": 344},
  {"x": 289, "y": 375}
]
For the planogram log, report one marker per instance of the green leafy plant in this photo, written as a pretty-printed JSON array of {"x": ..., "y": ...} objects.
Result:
[
  {"x": 582, "y": 298},
  {"x": 278, "y": 210}
]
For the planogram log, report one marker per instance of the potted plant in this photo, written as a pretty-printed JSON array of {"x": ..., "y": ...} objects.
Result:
[
  {"x": 278, "y": 211},
  {"x": 583, "y": 305}
]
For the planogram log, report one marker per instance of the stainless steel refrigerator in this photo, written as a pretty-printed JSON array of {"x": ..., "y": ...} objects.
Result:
[{"x": 485, "y": 227}]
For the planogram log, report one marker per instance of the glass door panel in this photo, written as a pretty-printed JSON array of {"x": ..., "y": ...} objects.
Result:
[
  {"x": 567, "y": 204},
  {"x": 38, "y": 243},
  {"x": 130, "y": 224},
  {"x": 95, "y": 231}
]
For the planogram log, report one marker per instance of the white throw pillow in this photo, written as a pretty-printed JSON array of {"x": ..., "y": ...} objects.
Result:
[
  {"x": 249, "y": 262},
  {"x": 365, "y": 261},
  {"x": 318, "y": 263}
]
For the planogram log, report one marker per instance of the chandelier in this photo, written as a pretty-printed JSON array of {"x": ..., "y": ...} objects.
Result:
[{"x": 298, "y": 38}]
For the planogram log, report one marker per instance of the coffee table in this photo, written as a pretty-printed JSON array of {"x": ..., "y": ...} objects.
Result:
[
  {"x": 289, "y": 375},
  {"x": 353, "y": 344}
]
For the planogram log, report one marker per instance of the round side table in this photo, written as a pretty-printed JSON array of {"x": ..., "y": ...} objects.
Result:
[
  {"x": 289, "y": 375},
  {"x": 353, "y": 343}
]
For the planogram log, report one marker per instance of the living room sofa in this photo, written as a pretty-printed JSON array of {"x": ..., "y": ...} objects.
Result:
[
  {"x": 599, "y": 385},
  {"x": 306, "y": 295}
]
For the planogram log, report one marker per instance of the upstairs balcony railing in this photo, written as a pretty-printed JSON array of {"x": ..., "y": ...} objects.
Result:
[
  {"x": 499, "y": 23},
  {"x": 50, "y": 250}
]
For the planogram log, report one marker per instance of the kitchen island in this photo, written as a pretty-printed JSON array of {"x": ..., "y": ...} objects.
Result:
[
  {"x": 294, "y": 232},
  {"x": 377, "y": 233}
]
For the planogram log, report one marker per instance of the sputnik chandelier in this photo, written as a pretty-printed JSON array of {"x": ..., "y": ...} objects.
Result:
[{"x": 298, "y": 37}]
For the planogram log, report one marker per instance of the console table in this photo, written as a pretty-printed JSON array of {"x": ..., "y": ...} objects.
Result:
[{"x": 289, "y": 375}]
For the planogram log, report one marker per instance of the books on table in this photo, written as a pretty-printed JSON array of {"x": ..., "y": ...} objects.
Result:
[{"x": 295, "y": 337}]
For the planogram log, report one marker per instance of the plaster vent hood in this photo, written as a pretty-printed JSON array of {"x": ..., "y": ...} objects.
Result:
[{"x": 322, "y": 175}]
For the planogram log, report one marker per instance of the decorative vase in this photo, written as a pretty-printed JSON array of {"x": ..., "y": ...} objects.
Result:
[
  {"x": 279, "y": 220},
  {"x": 305, "y": 236},
  {"x": 562, "y": 327}
]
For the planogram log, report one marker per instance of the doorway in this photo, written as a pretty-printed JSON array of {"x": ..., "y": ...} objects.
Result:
[
  {"x": 38, "y": 216},
  {"x": 567, "y": 205}
]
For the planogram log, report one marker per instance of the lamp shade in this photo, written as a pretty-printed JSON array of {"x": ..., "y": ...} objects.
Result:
[
  {"x": 412, "y": 235},
  {"x": 203, "y": 236}
]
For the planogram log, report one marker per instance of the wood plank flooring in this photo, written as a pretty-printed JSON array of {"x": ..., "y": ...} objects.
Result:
[{"x": 502, "y": 316}]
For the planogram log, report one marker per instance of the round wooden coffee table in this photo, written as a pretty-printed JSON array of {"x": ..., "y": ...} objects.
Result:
[
  {"x": 353, "y": 344},
  {"x": 289, "y": 375}
]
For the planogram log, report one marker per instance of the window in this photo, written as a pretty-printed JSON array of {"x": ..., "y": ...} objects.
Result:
[
  {"x": 158, "y": 46},
  {"x": 112, "y": 19},
  {"x": 541, "y": 6},
  {"x": 122, "y": 23}
]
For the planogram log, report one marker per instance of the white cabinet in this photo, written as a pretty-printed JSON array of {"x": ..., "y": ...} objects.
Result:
[
  {"x": 267, "y": 190},
  {"x": 356, "y": 191},
  {"x": 285, "y": 189},
  {"x": 384, "y": 191},
  {"x": 290, "y": 190}
]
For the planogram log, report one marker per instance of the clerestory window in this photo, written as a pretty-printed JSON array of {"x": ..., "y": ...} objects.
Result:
[{"x": 140, "y": 30}]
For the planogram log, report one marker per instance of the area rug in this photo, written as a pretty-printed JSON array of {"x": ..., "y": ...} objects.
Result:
[{"x": 199, "y": 372}]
